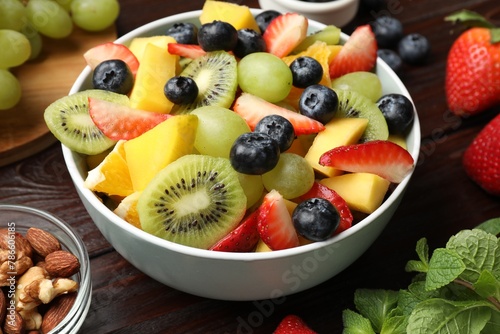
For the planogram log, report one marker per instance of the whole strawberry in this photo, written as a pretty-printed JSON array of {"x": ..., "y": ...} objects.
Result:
[
  {"x": 473, "y": 66},
  {"x": 482, "y": 158},
  {"x": 292, "y": 324}
]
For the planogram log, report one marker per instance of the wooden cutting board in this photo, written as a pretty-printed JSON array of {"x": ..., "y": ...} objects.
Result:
[{"x": 22, "y": 129}]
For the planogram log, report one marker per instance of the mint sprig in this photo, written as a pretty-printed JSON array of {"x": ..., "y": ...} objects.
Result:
[{"x": 455, "y": 291}]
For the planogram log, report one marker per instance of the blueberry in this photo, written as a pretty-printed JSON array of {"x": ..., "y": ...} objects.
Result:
[
  {"x": 319, "y": 102},
  {"x": 391, "y": 58},
  {"x": 398, "y": 112},
  {"x": 217, "y": 35},
  {"x": 113, "y": 75},
  {"x": 181, "y": 90},
  {"x": 414, "y": 49},
  {"x": 315, "y": 219},
  {"x": 264, "y": 18},
  {"x": 388, "y": 31},
  {"x": 306, "y": 71},
  {"x": 279, "y": 128},
  {"x": 254, "y": 153},
  {"x": 183, "y": 33},
  {"x": 249, "y": 41}
]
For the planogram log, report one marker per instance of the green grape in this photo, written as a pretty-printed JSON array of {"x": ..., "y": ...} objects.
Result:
[
  {"x": 366, "y": 83},
  {"x": 15, "y": 48},
  {"x": 265, "y": 75},
  {"x": 217, "y": 130},
  {"x": 94, "y": 15},
  {"x": 10, "y": 94},
  {"x": 49, "y": 18},
  {"x": 34, "y": 38},
  {"x": 66, "y": 4},
  {"x": 292, "y": 176},
  {"x": 12, "y": 14},
  {"x": 252, "y": 186}
]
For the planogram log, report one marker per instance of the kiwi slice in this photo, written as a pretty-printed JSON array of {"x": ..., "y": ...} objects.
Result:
[
  {"x": 215, "y": 73},
  {"x": 356, "y": 105},
  {"x": 69, "y": 121},
  {"x": 194, "y": 201},
  {"x": 329, "y": 34}
]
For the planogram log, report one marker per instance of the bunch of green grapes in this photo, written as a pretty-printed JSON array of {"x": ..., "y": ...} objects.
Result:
[{"x": 23, "y": 22}]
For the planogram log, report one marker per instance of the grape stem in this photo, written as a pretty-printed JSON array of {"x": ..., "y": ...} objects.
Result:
[{"x": 468, "y": 285}]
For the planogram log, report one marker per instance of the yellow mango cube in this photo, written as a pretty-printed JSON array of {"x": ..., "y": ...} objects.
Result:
[
  {"x": 153, "y": 150},
  {"x": 138, "y": 44},
  {"x": 157, "y": 66},
  {"x": 337, "y": 132},
  {"x": 239, "y": 16},
  {"x": 363, "y": 192}
]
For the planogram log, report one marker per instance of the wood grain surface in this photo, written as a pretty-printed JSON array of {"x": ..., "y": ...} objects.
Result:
[{"x": 440, "y": 201}]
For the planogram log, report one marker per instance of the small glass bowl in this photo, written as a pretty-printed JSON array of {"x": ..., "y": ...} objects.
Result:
[{"x": 22, "y": 218}]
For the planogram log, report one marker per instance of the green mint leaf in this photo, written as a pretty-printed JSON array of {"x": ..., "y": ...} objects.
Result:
[
  {"x": 423, "y": 254},
  {"x": 445, "y": 266},
  {"x": 375, "y": 304},
  {"x": 395, "y": 325},
  {"x": 487, "y": 285},
  {"x": 439, "y": 316},
  {"x": 469, "y": 18},
  {"x": 493, "y": 326},
  {"x": 492, "y": 225},
  {"x": 355, "y": 323},
  {"x": 479, "y": 251},
  {"x": 418, "y": 266}
]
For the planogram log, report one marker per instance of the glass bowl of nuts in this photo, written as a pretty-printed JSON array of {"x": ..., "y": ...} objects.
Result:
[{"x": 44, "y": 273}]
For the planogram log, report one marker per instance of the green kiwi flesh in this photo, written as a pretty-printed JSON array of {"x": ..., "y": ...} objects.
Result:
[
  {"x": 194, "y": 201},
  {"x": 215, "y": 74},
  {"x": 356, "y": 105},
  {"x": 69, "y": 121}
]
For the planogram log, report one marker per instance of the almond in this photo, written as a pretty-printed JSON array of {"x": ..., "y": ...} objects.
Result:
[
  {"x": 61, "y": 263},
  {"x": 3, "y": 306},
  {"x": 42, "y": 242},
  {"x": 21, "y": 244},
  {"x": 58, "y": 309},
  {"x": 14, "y": 324}
]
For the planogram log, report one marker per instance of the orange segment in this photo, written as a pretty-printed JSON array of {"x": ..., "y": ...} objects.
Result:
[
  {"x": 127, "y": 209},
  {"x": 111, "y": 176}
]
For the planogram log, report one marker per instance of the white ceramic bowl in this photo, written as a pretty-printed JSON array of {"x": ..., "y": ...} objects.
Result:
[
  {"x": 20, "y": 218},
  {"x": 336, "y": 12},
  {"x": 236, "y": 276}
]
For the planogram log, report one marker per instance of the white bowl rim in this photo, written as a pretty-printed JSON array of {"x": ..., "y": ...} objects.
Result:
[
  {"x": 250, "y": 256},
  {"x": 314, "y": 7}
]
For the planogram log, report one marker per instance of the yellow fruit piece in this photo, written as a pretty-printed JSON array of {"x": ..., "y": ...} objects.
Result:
[
  {"x": 362, "y": 192},
  {"x": 138, "y": 44},
  {"x": 398, "y": 139},
  {"x": 334, "y": 51},
  {"x": 156, "y": 148},
  {"x": 337, "y": 132},
  {"x": 239, "y": 16},
  {"x": 156, "y": 67},
  {"x": 111, "y": 176},
  {"x": 262, "y": 247},
  {"x": 127, "y": 209},
  {"x": 94, "y": 160}
]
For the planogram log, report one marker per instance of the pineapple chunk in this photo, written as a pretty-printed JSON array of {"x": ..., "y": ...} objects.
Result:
[
  {"x": 153, "y": 150},
  {"x": 337, "y": 132},
  {"x": 239, "y": 16},
  {"x": 398, "y": 139},
  {"x": 138, "y": 44},
  {"x": 156, "y": 67},
  {"x": 363, "y": 192}
]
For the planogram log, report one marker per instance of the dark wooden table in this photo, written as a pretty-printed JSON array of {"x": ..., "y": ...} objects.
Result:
[{"x": 440, "y": 201}]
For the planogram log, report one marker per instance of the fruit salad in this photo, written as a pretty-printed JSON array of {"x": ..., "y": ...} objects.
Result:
[{"x": 242, "y": 133}]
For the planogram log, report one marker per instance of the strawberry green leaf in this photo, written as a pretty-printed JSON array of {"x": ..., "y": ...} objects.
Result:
[
  {"x": 375, "y": 305},
  {"x": 441, "y": 316},
  {"x": 355, "y": 323},
  {"x": 491, "y": 226},
  {"x": 487, "y": 285},
  {"x": 445, "y": 266},
  {"x": 469, "y": 18},
  {"x": 495, "y": 35},
  {"x": 479, "y": 251}
]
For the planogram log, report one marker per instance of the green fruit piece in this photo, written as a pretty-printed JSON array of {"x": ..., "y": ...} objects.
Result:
[
  {"x": 69, "y": 121},
  {"x": 356, "y": 105},
  {"x": 252, "y": 186},
  {"x": 194, "y": 201},
  {"x": 215, "y": 75},
  {"x": 366, "y": 83},
  {"x": 330, "y": 35}
]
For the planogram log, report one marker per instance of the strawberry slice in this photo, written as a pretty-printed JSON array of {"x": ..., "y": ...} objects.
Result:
[
  {"x": 191, "y": 51},
  {"x": 359, "y": 53},
  {"x": 381, "y": 157},
  {"x": 253, "y": 108},
  {"x": 118, "y": 121},
  {"x": 285, "y": 33},
  {"x": 292, "y": 324},
  {"x": 110, "y": 50},
  {"x": 319, "y": 190},
  {"x": 241, "y": 239},
  {"x": 275, "y": 224}
]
